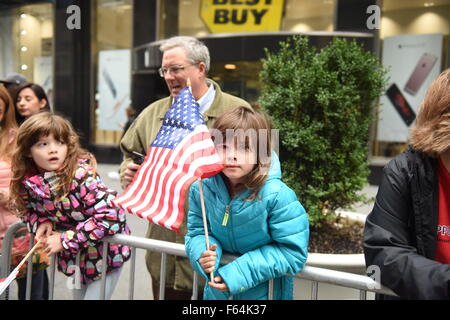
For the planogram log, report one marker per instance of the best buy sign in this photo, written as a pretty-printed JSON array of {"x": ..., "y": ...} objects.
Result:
[{"x": 242, "y": 15}]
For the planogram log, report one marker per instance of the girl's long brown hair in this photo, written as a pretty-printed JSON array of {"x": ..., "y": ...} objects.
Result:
[
  {"x": 431, "y": 133},
  {"x": 244, "y": 118},
  {"x": 35, "y": 127},
  {"x": 8, "y": 126}
]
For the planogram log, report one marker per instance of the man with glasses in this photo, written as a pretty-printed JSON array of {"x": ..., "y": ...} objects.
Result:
[{"x": 183, "y": 58}]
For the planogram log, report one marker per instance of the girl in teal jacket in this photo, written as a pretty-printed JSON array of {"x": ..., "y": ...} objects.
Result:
[{"x": 250, "y": 213}]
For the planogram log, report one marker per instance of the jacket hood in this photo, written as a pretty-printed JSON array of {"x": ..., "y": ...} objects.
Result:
[
  {"x": 275, "y": 167},
  {"x": 41, "y": 184},
  {"x": 44, "y": 184}
]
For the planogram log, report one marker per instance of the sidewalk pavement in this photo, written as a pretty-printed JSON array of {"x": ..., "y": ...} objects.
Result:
[{"x": 138, "y": 226}]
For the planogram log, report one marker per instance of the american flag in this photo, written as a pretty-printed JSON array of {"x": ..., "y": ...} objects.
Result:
[{"x": 181, "y": 153}]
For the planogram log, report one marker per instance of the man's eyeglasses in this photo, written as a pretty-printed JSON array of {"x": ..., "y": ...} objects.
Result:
[{"x": 173, "y": 70}]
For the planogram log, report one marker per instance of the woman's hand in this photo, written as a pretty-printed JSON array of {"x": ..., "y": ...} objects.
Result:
[
  {"x": 53, "y": 243},
  {"x": 208, "y": 259},
  {"x": 44, "y": 231},
  {"x": 219, "y": 284}
]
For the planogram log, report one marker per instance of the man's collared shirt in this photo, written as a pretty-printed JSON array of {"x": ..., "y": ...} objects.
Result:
[{"x": 207, "y": 99}]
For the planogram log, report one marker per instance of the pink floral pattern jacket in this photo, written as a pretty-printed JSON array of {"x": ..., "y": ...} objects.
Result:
[{"x": 84, "y": 216}]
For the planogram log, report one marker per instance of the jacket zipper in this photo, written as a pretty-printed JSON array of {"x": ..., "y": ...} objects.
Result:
[
  {"x": 226, "y": 216},
  {"x": 226, "y": 219}
]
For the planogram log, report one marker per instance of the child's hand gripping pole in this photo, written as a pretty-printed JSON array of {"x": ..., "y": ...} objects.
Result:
[
  {"x": 205, "y": 224},
  {"x": 29, "y": 254}
]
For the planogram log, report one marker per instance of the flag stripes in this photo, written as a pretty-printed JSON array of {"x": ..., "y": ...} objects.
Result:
[{"x": 158, "y": 190}]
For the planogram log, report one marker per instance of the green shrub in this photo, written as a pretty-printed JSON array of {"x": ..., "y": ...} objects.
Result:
[{"x": 322, "y": 102}]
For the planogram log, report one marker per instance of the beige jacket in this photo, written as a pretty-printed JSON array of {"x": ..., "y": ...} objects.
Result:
[{"x": 179, "y": 273}]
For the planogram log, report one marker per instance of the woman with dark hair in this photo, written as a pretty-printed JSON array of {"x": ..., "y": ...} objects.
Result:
[
  {"x": 407, "y": 234},
  {"x": 30, "y": 99}
]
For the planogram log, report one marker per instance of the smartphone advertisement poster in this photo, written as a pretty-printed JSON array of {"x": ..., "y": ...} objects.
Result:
[
  {"x": 113, "y": 88},
  {"x": 43, "y": 75},
  {"x": 414, "y": 61}
]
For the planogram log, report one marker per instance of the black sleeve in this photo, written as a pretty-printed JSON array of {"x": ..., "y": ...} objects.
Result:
[{"x": 389, "y": 242}]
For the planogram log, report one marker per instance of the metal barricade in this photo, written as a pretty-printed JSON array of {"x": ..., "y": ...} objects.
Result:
[
  {"x": 316, "y": 275},
  {"x": 344, "y": 279},
  {"x": 5, "y": 261},
  {"x": 5, "y": 257}
]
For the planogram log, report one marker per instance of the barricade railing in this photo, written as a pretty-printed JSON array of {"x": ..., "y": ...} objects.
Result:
[
  {"x": 5, "y": 258},
  {"x": 317, "y": 275}
]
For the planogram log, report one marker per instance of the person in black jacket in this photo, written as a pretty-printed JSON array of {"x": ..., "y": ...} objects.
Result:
[{"x": 407, "y": 234}]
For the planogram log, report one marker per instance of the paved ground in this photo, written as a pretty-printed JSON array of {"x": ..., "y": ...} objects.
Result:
[
  {"x": 138, "y": 227},
  {"x": 370, "y": 191}
]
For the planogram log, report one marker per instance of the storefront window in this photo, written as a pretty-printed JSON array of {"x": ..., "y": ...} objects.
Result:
[
  {"x": 112, "y": 65},
  {"x": 26, "y": 44},
  {"x": 200, "y": 18},
  {"x": 415, "y": 37},
  {"x": 239, "y": 78},
  {"x": 308, "y": 15}
]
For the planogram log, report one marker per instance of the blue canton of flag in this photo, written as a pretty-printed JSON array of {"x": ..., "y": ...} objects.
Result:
[{"x": 181, "y": 119}]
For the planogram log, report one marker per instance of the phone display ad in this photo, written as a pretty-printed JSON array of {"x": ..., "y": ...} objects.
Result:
[
  {"x": 420, "y": 73},
  {"x": 413, "y": 61},
  {"x": 400, "y": 104}
]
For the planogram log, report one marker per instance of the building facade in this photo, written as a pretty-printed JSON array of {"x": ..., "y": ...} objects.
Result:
[{"x": 95, "y": 58}]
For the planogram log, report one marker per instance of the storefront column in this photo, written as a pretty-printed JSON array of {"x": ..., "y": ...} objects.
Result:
[
  {"x": 353, "y": 15},
  {"x": 72, "y": 52},
  {"x": 145, "y": 30}
]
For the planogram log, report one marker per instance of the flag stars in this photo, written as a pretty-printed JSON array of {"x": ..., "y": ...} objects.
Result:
[{"x": 182, "y": 118}]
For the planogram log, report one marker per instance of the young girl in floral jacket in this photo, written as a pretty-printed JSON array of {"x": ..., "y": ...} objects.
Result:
[{"x": 65, "y": 203}]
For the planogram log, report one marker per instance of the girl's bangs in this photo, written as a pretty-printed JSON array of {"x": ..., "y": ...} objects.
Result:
[
  {"x": 241, "y": 123},
  {"x": 57, "y": 128}
]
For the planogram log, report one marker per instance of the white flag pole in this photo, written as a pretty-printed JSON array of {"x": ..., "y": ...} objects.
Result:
[
  {"x": 5, "y": 284},
  {"x": 205, "y": 223}
]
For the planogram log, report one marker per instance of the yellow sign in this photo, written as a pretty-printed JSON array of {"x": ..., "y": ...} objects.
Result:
[{"x": 223, "y": 16}]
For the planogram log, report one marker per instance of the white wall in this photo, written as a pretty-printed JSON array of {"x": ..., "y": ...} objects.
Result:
[{"x": 7, "y": 63}]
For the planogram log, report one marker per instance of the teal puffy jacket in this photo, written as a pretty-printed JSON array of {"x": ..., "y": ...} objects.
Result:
[{"x": 270, "y": 236}]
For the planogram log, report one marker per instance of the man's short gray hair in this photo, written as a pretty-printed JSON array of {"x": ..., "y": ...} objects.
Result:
[{"x": 196, "y": 51}]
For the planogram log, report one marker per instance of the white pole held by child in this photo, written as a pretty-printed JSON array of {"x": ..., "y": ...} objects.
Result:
[
  {"x": 205, "y": 224},
  {"x": 7, "y": 281}
]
